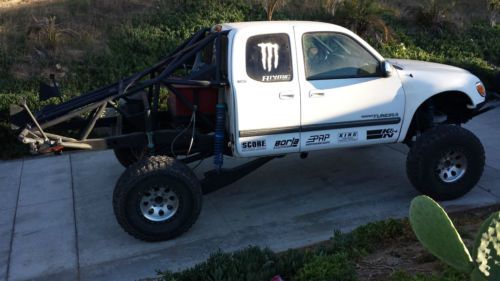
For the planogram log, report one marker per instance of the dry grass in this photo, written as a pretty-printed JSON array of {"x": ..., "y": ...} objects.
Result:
[
  {"x": 6, "y": 4},
  {"x": 41, "y": 35},
  {"x": 407, "y": 254},
  {"x": 462, "y": 12}
]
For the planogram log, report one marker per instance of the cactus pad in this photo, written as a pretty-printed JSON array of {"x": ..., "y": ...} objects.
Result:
[
  {"x": 438, "y": 235},
  {"x": 486, "y": 252}
]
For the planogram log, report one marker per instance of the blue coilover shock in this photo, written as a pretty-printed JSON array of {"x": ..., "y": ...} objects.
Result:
[{"x": 220, "y": 124}]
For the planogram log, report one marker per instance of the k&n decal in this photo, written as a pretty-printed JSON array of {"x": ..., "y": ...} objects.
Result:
[{"x": 381, "y": 134}]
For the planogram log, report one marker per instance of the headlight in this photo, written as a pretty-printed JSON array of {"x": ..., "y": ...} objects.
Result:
[{"x": 480, "y": 89}]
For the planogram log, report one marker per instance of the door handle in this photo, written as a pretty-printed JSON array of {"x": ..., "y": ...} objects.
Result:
[
  {"x": 316, "y": 94},
  {"x": 286, "y": 95}
]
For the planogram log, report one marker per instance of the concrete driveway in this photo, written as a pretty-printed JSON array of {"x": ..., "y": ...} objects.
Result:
[{"x": 57, "y": 222}]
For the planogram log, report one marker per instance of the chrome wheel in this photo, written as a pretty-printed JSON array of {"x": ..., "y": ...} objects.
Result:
[
  {"x": 159, "y": 203},
  {"x": 452, "y": 166}
]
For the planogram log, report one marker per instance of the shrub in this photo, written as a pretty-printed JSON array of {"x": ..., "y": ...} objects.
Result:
[
  {"x": 364, "y": 17},
  {"x": 336, "y": 267},
  {"x": 291, "y": 261},
  {"x": 447, "y": 275},
  {"x": 48, "y": 33},
  {"x": 432, "y": 14},
  {"x": 248, "y": 264},
  {"x": 474, "y": 49},
  {"x": 365, "y": 238},
  {"x": 11, "y": 147}
]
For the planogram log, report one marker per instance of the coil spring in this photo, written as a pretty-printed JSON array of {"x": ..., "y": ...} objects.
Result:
[{"x": 220, "y": 120}]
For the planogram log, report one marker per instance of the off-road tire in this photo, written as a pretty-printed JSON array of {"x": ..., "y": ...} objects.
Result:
[
  {"x": 426, "y": 152},
  {"x": 130, "y": 155},
  {"x": 127, "y": 156},
  {"x": 152, "y": 171}
]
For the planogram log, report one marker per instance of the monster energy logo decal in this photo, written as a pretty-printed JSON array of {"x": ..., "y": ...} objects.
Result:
[{"x": 270, "y": 57}]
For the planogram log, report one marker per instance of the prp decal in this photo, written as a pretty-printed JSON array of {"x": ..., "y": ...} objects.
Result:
[
  {"x": 380, "y": 134},
  {"x": 269, "y": 51},
  {"x": 318, "y": 139}
]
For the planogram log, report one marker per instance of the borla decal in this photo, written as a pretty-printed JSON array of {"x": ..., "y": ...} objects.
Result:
[
  {"x": 380, "y": 134},
  {"x": 253, "y": 145},
  {"x": 318, "y": 139},
  {"x": 288, "y": 143},
  {"x": 268, "y": 52},
  {"x": 347, "y": 136}
]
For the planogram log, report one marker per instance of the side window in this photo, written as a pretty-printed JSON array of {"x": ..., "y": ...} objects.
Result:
[
  {"x": 268, "y": 58},
  {"x": 330, "y": 55}
]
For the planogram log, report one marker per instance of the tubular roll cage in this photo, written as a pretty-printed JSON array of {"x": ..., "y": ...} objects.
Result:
[{"x": 147, "y": 84}]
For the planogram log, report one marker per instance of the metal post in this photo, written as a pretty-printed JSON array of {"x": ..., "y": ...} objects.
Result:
[
  {"x": 148, "y": 123},
  {"x": 45, "y": 138},
  {"x": 91, "y": 124}
]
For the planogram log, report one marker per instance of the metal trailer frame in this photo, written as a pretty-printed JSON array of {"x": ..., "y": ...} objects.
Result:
[
  {"x": 32, "y": 127},
  {"x": 147, "y": 84}
]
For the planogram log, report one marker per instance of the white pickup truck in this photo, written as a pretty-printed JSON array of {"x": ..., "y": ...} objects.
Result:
[
  {"x": 304, "y": 86},
  {"x": 267, "y": 89}
]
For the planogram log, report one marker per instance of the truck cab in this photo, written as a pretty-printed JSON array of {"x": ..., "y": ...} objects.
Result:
[{"x": 303, "y": 86}]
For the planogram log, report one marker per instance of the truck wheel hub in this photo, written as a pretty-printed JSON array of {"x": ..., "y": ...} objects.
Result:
[
  {"x": 159, "y": 204},
  {"x": 452, "y": 166}
]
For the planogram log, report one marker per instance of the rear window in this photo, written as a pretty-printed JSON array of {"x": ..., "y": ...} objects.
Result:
[{"x": 268, "y": 58}]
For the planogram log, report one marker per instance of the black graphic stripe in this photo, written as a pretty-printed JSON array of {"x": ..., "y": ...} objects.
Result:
[
  {"x": 271, "y": 131},
  {"x": 375, "y": 134},
  {"x": 320, "y": 127},
  {"x": 351, "y": 124}
]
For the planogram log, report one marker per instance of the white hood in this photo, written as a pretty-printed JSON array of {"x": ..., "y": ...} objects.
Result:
[{"x": 414, "y": 65}]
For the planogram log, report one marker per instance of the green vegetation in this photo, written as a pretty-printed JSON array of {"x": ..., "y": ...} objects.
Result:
[
  {"x": 343, "y": 257},
  {"x": 357, "y": 255},
  {"x": 331, "y": 261},
  {"x": 335, "y": 267},
  {"x": 447, "y": 275},
  {"x": 249, "y": 264},
  {"x": 437, "y": 233},
  {"x": 89, "y": 43}
]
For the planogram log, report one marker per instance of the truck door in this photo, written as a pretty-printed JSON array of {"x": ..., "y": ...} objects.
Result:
[
  {"x": 266, "y": 93},
  {"x": 345, "y": 99}
]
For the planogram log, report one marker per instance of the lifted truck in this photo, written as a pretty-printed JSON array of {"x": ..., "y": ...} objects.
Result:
[{"x": 263, "y": 89}]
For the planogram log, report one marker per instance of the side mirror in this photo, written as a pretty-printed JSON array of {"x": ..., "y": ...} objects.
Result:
[{"x": 387, "y": 69}]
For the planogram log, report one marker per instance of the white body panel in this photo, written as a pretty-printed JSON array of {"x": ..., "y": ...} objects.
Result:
[
  {"x": 422, "y": 80},
  {"x": 348, "y": 101},
  {"x": 258, "y": 106},
  {"x": 263, "y": 105}
]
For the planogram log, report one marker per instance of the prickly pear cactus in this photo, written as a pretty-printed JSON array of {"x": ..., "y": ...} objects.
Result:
[
  {"x": 486, "y": 253},
  {"x": 438, "y": 235}
]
